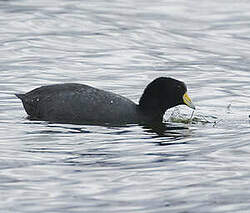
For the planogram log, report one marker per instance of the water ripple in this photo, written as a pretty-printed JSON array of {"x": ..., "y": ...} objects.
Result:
[{"x": 121, "y": 46}]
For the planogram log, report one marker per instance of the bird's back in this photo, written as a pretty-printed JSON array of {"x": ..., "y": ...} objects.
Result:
[{"x": 78, "y": 103}]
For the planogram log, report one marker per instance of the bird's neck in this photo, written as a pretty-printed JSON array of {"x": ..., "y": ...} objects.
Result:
[{"x": 151, "y": 114}]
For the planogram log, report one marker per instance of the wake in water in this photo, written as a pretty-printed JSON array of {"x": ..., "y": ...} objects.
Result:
[{"x": 196, "y": 117}]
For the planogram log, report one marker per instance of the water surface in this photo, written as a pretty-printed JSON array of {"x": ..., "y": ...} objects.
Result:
[{"x": 121, "y": 46}]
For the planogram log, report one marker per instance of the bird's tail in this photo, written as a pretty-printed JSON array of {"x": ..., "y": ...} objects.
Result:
[
  {"x": 20, "y": 96},
  {"x": 28, "y": 106}
]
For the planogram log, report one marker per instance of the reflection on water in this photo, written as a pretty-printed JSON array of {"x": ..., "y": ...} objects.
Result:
[
  {"x": 167, "y": 130},
  {"x": 159, "y": 129},
  {"x": 120, "y": 46}
]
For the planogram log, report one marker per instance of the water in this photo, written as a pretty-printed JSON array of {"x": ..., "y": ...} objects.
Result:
[{"x": 121, "y": 46}]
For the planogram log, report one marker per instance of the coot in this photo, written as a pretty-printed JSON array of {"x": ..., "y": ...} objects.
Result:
[{"x": 79, "y": 103}]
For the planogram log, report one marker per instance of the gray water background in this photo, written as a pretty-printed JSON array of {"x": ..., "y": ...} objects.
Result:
[{"x": 121, "y": 46}]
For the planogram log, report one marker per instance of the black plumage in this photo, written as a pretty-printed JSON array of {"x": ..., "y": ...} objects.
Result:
[{"x": 79, "y": 103}]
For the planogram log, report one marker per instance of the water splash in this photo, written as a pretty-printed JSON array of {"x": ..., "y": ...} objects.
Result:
[{"x": 196, "y": 117}]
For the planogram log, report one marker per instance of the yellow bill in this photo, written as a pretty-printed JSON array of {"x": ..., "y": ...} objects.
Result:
[{"x": 187, "y": 101}]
